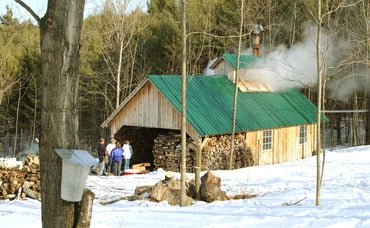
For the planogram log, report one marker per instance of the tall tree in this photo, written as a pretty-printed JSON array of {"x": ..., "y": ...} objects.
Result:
[
  {"x": 60, "y": 31},
  {"x": 60, "y": 43}
]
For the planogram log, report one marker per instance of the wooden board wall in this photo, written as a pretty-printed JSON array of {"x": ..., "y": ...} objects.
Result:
[
  {"x": 285, "y": 145},
  {"x": 150, "y": 109}
]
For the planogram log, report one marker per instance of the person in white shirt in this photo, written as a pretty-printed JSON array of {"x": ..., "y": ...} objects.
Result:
[
  {"x": 127, "y": 154},
  {"x": 108, "y": 150}
]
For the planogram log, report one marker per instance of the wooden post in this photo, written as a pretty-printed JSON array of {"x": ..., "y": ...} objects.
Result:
[
  {"x": 85, "y": 209},
  {"x": 198, "y": 167}
]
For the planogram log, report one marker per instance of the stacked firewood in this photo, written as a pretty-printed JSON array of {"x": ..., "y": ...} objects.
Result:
[
  {"x": 21, "y": 182},
  {"x": 215, "y": 154},
  {"x": 167, "y": 153}
]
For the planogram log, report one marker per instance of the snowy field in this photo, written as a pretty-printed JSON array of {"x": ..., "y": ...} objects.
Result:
[{"x": 285, "y": 198}]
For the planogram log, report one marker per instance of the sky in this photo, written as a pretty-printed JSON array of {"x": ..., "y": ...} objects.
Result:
[
  {"x": 285, "y": 197},
  {"x": 39, "y": 7}
]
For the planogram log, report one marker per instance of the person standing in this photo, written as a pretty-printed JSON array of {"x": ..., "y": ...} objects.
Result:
[
  {"x": 127, "y": 154},
  {"x": 108, "y": 158},
  {"x": 101, "y": 155},
  {"x": 116, "y": 156}
]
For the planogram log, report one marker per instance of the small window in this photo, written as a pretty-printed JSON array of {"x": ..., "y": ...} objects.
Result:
[
  {"x": 302, "y": 134},
  {"x": 267, "y": 140}
]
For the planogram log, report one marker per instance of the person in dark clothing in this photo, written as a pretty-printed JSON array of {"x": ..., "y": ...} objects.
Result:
[
  {"x": 101, "y": 155},
  {"x": 117, "y": 157}
]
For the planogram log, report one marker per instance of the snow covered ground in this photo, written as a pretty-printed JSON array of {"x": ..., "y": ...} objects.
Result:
[{"x": 345, "y": 198}]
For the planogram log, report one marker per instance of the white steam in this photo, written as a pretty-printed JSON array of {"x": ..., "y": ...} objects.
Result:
[
  {"x": 296, "y": 67},
  {"x": 285, "y": 68},
  {"x": 343, "y": 87},
  {"x": 208, "y": 70}
]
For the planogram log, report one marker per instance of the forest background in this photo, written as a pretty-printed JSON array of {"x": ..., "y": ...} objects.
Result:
[{"x": 121, "y": 46}]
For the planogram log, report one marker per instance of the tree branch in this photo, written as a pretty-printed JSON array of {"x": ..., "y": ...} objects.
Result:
[
  {"x": 26, "y": 7},
  {"x": 341, "y": 5}
]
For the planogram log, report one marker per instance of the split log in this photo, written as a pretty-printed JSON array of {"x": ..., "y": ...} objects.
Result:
[
  {"x": 141, "y": 166},
  {"x": 139, "y": 190},
  {"x": 210, "y": 189},
  {"x": 32, "y": 194},
  {"x": 113, "y": 200},
  {"x": 168, "y": 191}
]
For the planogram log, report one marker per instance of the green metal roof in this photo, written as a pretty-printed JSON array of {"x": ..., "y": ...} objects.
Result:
[
  {"x": 209, "y": 105},
  {"x": 246, "y": 61}
]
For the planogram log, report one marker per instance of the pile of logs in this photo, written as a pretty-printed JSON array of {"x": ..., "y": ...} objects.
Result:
[
  {"x": 21, "y": 182},
  {"x": 169, "y": 190},
  {"x": 215, "y": 154},
  {"x": 167, "y": 153}
]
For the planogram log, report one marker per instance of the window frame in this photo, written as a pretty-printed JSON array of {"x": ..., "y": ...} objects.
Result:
[
  {"x": 267, "y": 140},
  {"x": 302, "y": 132}
]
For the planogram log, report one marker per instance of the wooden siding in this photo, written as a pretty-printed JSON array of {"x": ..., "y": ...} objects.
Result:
[
  {"x": 285, "y": 145},
  {"x": 150, "y": 109},
  {"x": 224, "y": 68}
]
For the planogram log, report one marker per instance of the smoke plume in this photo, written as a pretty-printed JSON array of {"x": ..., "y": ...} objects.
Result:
[{"x": 295, "y": 67}]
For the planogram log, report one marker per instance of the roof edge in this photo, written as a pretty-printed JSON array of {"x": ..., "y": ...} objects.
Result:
[
  {"x": 106, "y": 122},
  {"x": 215, "y": 63}
]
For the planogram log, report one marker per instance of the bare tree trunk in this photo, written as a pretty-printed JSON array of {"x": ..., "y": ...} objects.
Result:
[
  {"x": 338, "y": 127},
  {"x": 355, "y": 118},
  {"x": 319, "y": 91},
  {"x": 34, "y": 113},
  {"x": 118, "y": 86},
  {"x": 367, "y": 15},
  {"x": 60, "y": 37},
  {"x": 368, "y": 121},
  {"x": 183, "y": 109},
  {"x": 17, "y": 120},
  {"x": 236, "y": 86}
]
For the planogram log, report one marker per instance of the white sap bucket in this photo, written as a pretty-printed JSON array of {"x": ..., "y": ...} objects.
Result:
[{"x": 75, "y": 170}]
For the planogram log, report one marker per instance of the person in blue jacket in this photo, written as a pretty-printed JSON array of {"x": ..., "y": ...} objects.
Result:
[{"x": 116, "y": 155}]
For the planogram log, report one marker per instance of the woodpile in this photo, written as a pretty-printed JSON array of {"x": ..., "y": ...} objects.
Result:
[
  {"x": 215, "y": 154},
  {"x": 19, "y": 181},
  {"x": 167, "y": 153}
]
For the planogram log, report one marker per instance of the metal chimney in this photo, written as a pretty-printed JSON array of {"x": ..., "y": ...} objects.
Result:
[{"x": 257, "y": 29}]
